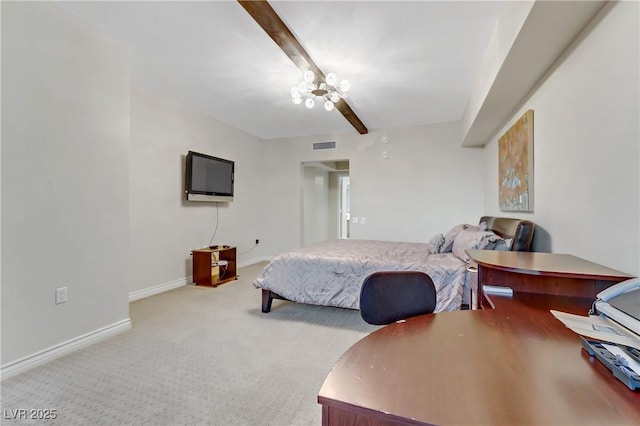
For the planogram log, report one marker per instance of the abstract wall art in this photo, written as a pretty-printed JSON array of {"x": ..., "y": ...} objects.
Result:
[{"x": 515, "y": 166}]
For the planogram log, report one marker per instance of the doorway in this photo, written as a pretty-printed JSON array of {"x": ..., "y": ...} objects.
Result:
[
  {"x": 344, "y": 208},
  {"x": 325, "y": 201}
]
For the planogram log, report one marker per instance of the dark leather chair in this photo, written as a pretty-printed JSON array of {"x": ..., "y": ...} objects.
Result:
[
  {"x": 520, "y": 230},
  {"x": 391, "y": 296}
]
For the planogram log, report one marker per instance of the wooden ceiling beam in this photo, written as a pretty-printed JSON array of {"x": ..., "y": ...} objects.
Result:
[{"x": 262, "y": 12}]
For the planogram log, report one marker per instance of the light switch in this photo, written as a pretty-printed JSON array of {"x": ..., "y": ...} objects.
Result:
[{"x": 363, "y": 220}]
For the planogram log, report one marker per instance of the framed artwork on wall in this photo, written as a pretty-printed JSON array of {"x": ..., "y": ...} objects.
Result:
[{"x": 515, "y": 166}]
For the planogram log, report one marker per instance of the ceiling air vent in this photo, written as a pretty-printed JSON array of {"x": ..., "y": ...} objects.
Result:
[{"x": 324, "y": 145}]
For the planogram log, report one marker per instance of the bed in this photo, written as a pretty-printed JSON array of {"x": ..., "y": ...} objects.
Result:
[{"x": 331, "y": 273}]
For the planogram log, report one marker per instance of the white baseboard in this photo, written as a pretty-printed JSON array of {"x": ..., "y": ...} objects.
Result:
[
  {"x": 30, "y": 361},
  {"x": 23, "y": 364},
  {"x": 253, "y": 261},
  {"x": 160, "y": 288}
]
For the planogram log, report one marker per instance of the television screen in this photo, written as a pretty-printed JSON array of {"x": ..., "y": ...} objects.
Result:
[{"x": 208, "y": 178}]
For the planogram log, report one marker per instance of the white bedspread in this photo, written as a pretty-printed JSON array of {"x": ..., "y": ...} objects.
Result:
[{"x": 331, "y": 273}]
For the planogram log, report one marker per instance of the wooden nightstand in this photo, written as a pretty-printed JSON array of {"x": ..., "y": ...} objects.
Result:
[{"x": 214, "y": 266}]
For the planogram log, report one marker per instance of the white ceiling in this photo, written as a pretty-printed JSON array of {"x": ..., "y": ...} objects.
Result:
[{"x": 410, "y": 63}]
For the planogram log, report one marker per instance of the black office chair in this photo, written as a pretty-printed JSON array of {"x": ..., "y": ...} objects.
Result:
[{"x": 391, "y": 296}]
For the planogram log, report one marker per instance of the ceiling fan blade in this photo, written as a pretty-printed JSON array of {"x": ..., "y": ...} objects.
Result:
[{"x": 268, "y": 19}]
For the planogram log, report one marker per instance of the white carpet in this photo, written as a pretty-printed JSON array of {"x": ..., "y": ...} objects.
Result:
[{"x": 196, "y": 356}]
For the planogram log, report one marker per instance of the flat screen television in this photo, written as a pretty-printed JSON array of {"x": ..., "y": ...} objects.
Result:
[{"x": 208, "y": 178}]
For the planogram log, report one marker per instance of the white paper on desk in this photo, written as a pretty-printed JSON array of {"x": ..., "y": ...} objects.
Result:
[{"x": 598, "y": 327}]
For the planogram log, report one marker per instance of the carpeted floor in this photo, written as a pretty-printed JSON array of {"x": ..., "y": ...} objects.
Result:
[{"x": 196, "y": 356}]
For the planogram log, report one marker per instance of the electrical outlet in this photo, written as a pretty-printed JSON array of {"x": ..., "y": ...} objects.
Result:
[
  {"x": 257, "y": 241},
  {"x": 61, "y": 295}
]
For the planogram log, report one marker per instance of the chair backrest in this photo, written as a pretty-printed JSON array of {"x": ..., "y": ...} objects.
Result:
[{"x": 391, "y": 296}]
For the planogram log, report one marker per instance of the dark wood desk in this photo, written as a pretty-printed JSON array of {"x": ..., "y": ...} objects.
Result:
[
  {"x": 513, "y": 365},
  {"x": 545, "y": 273}
]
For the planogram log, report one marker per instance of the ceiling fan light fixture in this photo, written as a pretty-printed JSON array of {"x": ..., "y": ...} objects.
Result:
[{"x": 326, "y": 90}]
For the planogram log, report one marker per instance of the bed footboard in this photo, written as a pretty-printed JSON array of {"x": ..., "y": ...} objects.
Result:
[{"x": 267, "y": 298}]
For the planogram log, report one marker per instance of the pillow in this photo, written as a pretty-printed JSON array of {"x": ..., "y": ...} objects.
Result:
[
  {"x": 472, "y": 239},
  {"x": 450, "y": 236},
  {"x": 436, "y": 242},
  {"x": 503, "y": 245}
]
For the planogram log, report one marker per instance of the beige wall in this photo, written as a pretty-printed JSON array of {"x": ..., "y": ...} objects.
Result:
[
  {"x": 586, "y": 148},
  {"x": 164, "y": 227},
  {"x": 428, "y": 184},
  {"x": 65, "y": 178}
]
